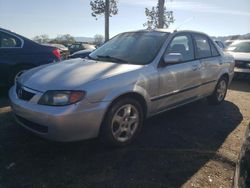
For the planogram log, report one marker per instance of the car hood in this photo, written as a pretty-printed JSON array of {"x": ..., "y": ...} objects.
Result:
[
  {"x": 71, "y": 74},
  {"x": 240, "y": 56}
]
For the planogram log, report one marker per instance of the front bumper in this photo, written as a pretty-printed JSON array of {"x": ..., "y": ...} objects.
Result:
[
  {"x": 68, "y": 123},
  {"x": 240, "y": 70}
]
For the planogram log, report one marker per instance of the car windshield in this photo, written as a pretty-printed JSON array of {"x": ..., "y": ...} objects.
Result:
[
  {"x": 243, "y": 47},
  {"x": 131, "y": 48}
]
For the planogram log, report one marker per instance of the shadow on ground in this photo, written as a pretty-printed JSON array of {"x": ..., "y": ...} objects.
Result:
[
  {"x": 171, "y": 148},
  {"x": 240, "y": 85}
]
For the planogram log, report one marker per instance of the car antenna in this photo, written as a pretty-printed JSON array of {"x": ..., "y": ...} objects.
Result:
[{"x": 185, "y": 22}]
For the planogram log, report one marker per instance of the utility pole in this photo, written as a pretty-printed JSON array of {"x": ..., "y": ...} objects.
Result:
[
  {"x": 161, "y": 13},
  {"x": 106, "y": 20}
]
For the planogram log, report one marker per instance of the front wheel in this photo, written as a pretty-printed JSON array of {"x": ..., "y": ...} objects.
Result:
[
  {"x": 122, "y": 123},
  {"x": 220, "y": 92}
]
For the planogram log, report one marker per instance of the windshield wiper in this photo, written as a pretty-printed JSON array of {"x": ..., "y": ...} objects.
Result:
[{"x": 112, "y": 58}]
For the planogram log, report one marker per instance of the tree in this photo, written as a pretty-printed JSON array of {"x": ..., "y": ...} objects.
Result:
[
  {"x": 41, "y": 39},
  {"x": 98, "y": 39},
  {"x": 106, "y": 7},
  {"x": 64, "y": 39},
  {"x": 158, "y": 17}
]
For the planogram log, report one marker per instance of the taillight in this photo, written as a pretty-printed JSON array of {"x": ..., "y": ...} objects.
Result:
[{"x": 57, "y": 53}]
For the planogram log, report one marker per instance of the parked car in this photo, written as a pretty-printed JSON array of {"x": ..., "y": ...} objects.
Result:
[
  {"x": 63, "y": 49},
  {"x": 81, "y": 53},
  {"x": 241, "y": 51},
  {"x": 133, "y": 76},
  {"x": 80, "y": 46},
  {"x": 18, "y": 54},
  {"x": 220, "y": 44},
  {"x": 228, "y": 42},
  {"x": 242, "y": 172}
]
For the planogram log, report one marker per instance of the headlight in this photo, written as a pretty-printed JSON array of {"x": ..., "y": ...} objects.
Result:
[{"x": 61, "y": 98}]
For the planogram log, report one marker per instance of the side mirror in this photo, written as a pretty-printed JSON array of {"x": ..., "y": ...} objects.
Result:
[{"x": 173, "y": 58}]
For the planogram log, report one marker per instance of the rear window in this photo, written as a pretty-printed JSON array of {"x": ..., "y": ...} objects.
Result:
[
  {"x": 9, "y": 41},
  {"x": 202, "y": 46},
  {"x": 243, "y": 47}
]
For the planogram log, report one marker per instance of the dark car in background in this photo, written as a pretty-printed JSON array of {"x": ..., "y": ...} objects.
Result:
[
  {"x": 242, "y": 172},
  {"x": 220, "y": 44},
  {"x": 81, "y": 53},
  {"x": 80, "y": 46},
  {"x": 63, "y": 49},
  {"x": 18, "y": 54}
]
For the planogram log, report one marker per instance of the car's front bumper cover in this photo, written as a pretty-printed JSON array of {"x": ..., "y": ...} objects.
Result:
[
  {"x": 68, "y": 123},
  {"x": 241, "y": 70}
]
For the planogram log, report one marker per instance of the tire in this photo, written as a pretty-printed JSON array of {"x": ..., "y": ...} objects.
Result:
[
  {"x": 122, "y": 123},
  {"x": 220, "y": 92},
  {"x": 16, "y": 72}
]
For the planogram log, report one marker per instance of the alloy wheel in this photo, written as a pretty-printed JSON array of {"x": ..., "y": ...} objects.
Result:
[
  {"x": 221, "y": 90},
  {"x": 125, "y": 122}
]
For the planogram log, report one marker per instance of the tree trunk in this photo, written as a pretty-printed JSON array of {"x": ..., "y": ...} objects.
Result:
[
  {"x": 106, "y": 20},
  {"x": 161, "y": 13}
]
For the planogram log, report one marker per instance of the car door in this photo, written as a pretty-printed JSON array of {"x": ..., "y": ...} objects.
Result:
[
  {"x": 178, "y": 83},
  {"x": 210, "y": 60}
]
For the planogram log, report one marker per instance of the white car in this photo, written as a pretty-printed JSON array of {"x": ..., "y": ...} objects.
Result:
[{"x": 240, "y": 49}]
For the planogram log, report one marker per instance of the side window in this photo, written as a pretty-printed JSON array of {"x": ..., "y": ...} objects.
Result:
[
  {"x": 214, "y": 50},
  {"x": 182, "y": 44},
  {"x": 9, "y": 41},
  {"x": 202, "y": 46}
]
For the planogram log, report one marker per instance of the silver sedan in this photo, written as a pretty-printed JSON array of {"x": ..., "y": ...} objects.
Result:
[{"x": 133, "y": 76}]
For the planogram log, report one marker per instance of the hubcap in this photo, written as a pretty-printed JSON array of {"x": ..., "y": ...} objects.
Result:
[
  {"x": 221, "y": 90},
  {"x": 125, "y": 122}
]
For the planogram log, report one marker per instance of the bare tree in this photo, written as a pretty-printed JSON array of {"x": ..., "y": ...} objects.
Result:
[
  {"x": 98, "y": 39},
  {"x": 106, "y": 8},
  {"x": 158, "y": 17},
  {"x": 41, "y": 39},
  {"x": 64, "y": 39},
  {"x": 161, "y": 13}
]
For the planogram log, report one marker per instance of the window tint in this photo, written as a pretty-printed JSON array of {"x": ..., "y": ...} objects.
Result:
[
  {"x": 214, "y": 50},
  {"x": 183, "y": 45},
  {"x": 9, "y": 41},
  {"x": 202, "y": 46}
]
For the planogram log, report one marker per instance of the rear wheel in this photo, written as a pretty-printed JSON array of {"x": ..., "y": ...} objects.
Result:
[
  {"x": 122, "y": 123},
  {"x": 220, "y": 91}
]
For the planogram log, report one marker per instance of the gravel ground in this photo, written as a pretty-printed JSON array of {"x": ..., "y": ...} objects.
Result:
[{"x": 193, "y": 146}]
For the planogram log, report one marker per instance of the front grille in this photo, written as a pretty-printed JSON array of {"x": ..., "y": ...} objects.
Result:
[
  {"x": 31, "y": 125},
  {"x": 242, "y": 64},
  {"x": 22, "y": 93}
]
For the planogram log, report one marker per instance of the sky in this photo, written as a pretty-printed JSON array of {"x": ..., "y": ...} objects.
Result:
[{"x": 35, "y": 17}]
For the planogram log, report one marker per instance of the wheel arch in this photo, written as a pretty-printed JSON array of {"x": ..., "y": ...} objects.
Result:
[
  {"x": 225, "y": 75},
  {"x": 134, "y": 95}
]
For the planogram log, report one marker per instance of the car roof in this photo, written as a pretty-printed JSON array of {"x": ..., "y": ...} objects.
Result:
[
  {"x": 242, "y": 40},
  {"x": 169, "y": 31}
]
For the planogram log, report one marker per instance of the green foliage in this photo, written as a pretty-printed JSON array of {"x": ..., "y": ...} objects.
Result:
[
  {"x": 98, "y": 7},
  {"x": 153, "y": 17}
]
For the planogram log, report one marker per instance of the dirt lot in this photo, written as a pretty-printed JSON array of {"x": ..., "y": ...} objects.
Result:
[{"x": 194, "y": 146}]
